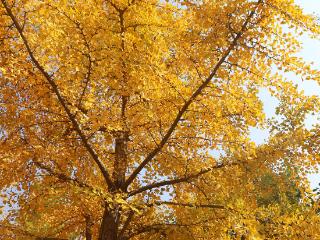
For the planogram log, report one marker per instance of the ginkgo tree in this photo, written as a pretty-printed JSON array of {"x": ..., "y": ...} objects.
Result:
[{"x": 129, "y": 119}]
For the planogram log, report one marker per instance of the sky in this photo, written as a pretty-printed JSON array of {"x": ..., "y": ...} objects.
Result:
[{"x": 311, "y": 53}]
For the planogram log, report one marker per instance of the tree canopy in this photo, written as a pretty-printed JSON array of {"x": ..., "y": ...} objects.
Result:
[{"x": 130, "y": 119}]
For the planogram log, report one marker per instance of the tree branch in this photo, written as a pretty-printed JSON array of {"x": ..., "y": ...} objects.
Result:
[
  {"x": 184, "y": 108},
  {"x": 162, "y": 226},
  {"x": 62, "y": 176},
  {"x": 62, "y": 101},
  {"x": 174, "y": 181},
  {"x": 50, "y": 238},
  {"x": 212, "y": 206}
]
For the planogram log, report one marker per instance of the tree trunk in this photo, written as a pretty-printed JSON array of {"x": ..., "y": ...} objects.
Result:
[
  {"x": 120, "y": 164},
  {"x": 108, "y": 227},
  {"x": 89, "y": 225},
  {"x": 110, "y": 222}
]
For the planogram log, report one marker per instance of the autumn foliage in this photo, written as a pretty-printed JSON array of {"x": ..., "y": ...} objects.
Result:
[{"x": 130, "y": 119}]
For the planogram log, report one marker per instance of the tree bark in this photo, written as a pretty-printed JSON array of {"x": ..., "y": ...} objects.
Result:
[
  {"x": 89, "y": 225},
  {"x": 120, "y": 164},
  {"x": 108, "y": 227}
]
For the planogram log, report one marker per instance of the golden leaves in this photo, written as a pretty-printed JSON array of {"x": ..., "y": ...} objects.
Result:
[{"x": 126, "y": 70}]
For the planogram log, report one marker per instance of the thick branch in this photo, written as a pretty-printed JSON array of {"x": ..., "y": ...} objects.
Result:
[
  {"x": 60, "y": 98},
  {"x": 184, "y": 108},
  {"x": 89, "y": 225},
  {"x": 62, "y": 176},
  {"x": 50, "y": 238},
  {"x": 162, "y": 226},
  {"x": 174, "y": 181},
  {"x": 159, "y": 203},
  {"x": 212, "y": 206}
]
